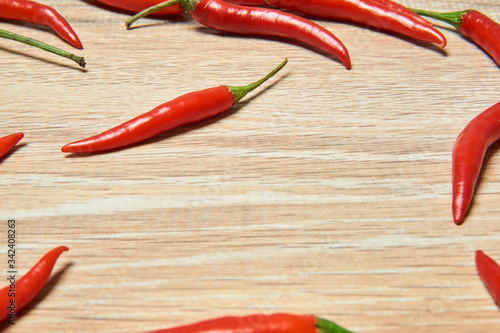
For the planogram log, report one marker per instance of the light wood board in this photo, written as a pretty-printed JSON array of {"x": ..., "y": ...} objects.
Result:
[{"x": 327, "y": 191}]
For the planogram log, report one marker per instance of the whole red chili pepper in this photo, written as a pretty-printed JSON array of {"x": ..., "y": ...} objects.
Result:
[
  {"x": 223, "y": 16},
  {"x": 186, "y": 109},
  {"x": 369, "y": 12},
  {"x": 38, "y": 13},
  {"x": 468, "y": 155},
  {"x": 489, "y": 271},
  {"x": 9, "y": 141},
  {"x": 261, "y": 323},
  {"x": 473, "y": 24},
  {"x": 28, "y": 286}
]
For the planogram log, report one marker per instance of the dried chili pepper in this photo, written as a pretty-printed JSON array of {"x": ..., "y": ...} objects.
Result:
[
  {"x": 46, "y": 47},
  {"x": 384, "y": 15},
  {"x": 223, "y": 16},
  {"x": 9, "y": 141},
  {"x": 483, "y": 31},
  {"x": 468, "y": 155},
  {"x": 186, "y": 109},
  {"x": 261, "y": 323},
  {"x": 18, "y": 294},
  {"x": 489, "y": 271},
  {"x": 37, "y": 13}
]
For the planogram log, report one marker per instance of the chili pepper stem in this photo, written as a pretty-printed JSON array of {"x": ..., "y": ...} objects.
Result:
[
  {"x": 46, "y": 47},
  {"x": 241, "y": 91},
  {"x": 150, "y": 10},
  {"x": 327, "y": 326},
  {"x": 453, "y": 18}
]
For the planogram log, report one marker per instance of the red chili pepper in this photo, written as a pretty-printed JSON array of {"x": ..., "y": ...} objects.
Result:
[
  {"x": 186, "y": 109},
  {"x": 489, "y": 271},
  {"x": 28, "y": 286},
  {"x": 372, "y": 13},
  {"x": 468, "y": 155},
  {"x": 9, "y": 141},
  {"x": 38, "y": 13},
  {"x": 473, "y": 24},
  {"x": 223, "y": 16},
  {"x": 404, "y": 10},
  {"x": 136, "y": 6},
  {"x": 260, "y": 323}
]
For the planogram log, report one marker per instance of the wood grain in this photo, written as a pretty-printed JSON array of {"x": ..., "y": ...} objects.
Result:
[{"x": 327, "y": 191}]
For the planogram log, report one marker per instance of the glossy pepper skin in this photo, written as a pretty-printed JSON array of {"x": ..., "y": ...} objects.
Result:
[
  {"x": 489, "y": 271},
  {"x": 186, "y": 109},
  {"x": 481, "y": 29},
  {"x": 136, "y": 6},
  {"x": 8, "y": 142},
  {"x": 28, "y": 286},
  {"x": 368, "y": 12},
  {"x": 183, "y": 110},
  {"x": 246, "y": 20},
  {"x": 261, "y": 323},
  {"x": 467, "y": 157},
  {"x": 37, "y": 13},
  {"x": 223, "y": 16}
]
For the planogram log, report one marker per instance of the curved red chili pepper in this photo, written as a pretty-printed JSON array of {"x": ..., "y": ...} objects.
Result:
[
  {"x": 27, "y": 287},
  {"x": 261, "y": 323},
  {"x": 489, "y": 271},
  {"x": 223, "y": 16},
  {"x": 473, "y": 24},
  {"x": 468, "y": 155},
  {"x": 37, "y": 13},
  {"x": 9, "y": 141},
  {"x": 369, "y": 12},
  {"x": 186, "y": 109}
]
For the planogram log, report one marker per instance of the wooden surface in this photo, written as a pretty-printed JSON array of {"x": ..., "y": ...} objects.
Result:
[{"x": 326, "y": 191}]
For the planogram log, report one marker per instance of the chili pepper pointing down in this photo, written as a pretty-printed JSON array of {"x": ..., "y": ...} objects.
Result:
[
  {"x": 489, "y": 271},
  {"x": 473, "y": 24},
  {"x": 223, "y": 16},
  {"x": 9, "y": 141},
  {"x": 379, "y": 14},
  {"x": 186, "y": 109},
  {"x": 27, "y": 287},
  {"x": 467, "y": 157},
  {"x": 37, "y": 13},
  {"x": 261, "y": 323}
]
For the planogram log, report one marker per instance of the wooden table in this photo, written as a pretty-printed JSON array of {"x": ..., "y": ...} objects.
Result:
[{"x": 326, "y": 191}]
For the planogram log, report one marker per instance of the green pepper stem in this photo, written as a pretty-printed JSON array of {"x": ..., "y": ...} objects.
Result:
[
  {"x": 453, "y": 18},
  {"x": 46, "y": 47},
  {"x": 147, "y": 11},
  {"x": 327, "y": 326},
  {"x": 241, "y": 91}
]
